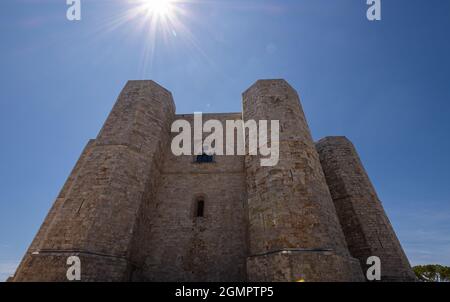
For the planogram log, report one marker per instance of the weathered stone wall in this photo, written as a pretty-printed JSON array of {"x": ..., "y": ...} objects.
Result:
[
  {"x": 304, "y": 265},
  {"x": 183, "y": 247},
  {"x": 365, "y": 224},
  {"x": 97, "y": 212},
  {"x": 41, "y": 234},
  {"x": 290, "y": 206}
]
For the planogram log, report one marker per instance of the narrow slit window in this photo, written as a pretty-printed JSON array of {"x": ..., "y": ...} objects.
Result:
[{"x": 200, "y": 208}]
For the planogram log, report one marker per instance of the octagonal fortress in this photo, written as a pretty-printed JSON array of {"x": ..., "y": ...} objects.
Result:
[{"x": 132, "y": 211}]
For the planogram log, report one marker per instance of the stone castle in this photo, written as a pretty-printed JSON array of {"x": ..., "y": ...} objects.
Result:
[{"x": 132, "y": 211}]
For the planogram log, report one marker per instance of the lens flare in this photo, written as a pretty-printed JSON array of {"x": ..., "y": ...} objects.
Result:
[
  {"x": 160, "y": 25},
  {"x": 161, "y": 8}
]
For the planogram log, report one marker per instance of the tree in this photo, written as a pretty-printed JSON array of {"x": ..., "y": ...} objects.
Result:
[{"x": 432, "y": 273}]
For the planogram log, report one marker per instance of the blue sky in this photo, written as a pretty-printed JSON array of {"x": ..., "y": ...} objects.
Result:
[{"x": 385, "y": 85}]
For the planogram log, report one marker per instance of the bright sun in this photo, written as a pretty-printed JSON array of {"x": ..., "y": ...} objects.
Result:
[
  {"x": 157, "y": 21},
  {"x": 161, "y": 8}
]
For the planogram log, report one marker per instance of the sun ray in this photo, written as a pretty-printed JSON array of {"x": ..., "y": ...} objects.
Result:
[{"x": 158, "y": 24}]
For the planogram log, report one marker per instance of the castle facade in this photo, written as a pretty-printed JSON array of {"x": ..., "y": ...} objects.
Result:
[{"x": 133, "y": 211}]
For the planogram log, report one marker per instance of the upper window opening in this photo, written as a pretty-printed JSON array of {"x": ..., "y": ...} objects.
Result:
[{"x": 204, "y": 158}]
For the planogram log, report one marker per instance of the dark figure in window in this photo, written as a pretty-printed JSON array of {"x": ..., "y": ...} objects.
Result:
[
  {"x": 204, "y": 158},
  {"x": 200, "y": 208}
]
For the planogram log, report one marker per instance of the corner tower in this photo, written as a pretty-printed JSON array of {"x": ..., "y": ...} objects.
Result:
[
  {"x": 294, "y": 232},
  {"x": 98, "y": 216},
  {"x": 365, "y": 224}
]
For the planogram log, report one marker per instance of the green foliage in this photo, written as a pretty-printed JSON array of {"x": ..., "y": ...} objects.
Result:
[{"x": 432, "y": 273}]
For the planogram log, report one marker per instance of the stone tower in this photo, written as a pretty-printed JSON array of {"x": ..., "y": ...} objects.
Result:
[
  {"x": 98, "y": 212},
  {"x": 294, "y": 232},
  {"x": 363, "y": 220},
  {"x": 130, "y": 208}
]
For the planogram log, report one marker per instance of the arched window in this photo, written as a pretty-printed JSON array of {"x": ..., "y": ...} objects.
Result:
[{"x": 200, "y": 207}]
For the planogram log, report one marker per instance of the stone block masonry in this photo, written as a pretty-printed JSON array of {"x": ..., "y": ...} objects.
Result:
[
  {"x": 98, "y": 211},
  {"x": 291, "y": 213},
  {"x": 363, "y": 219},
  {"x": 130, "y": 208}
]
